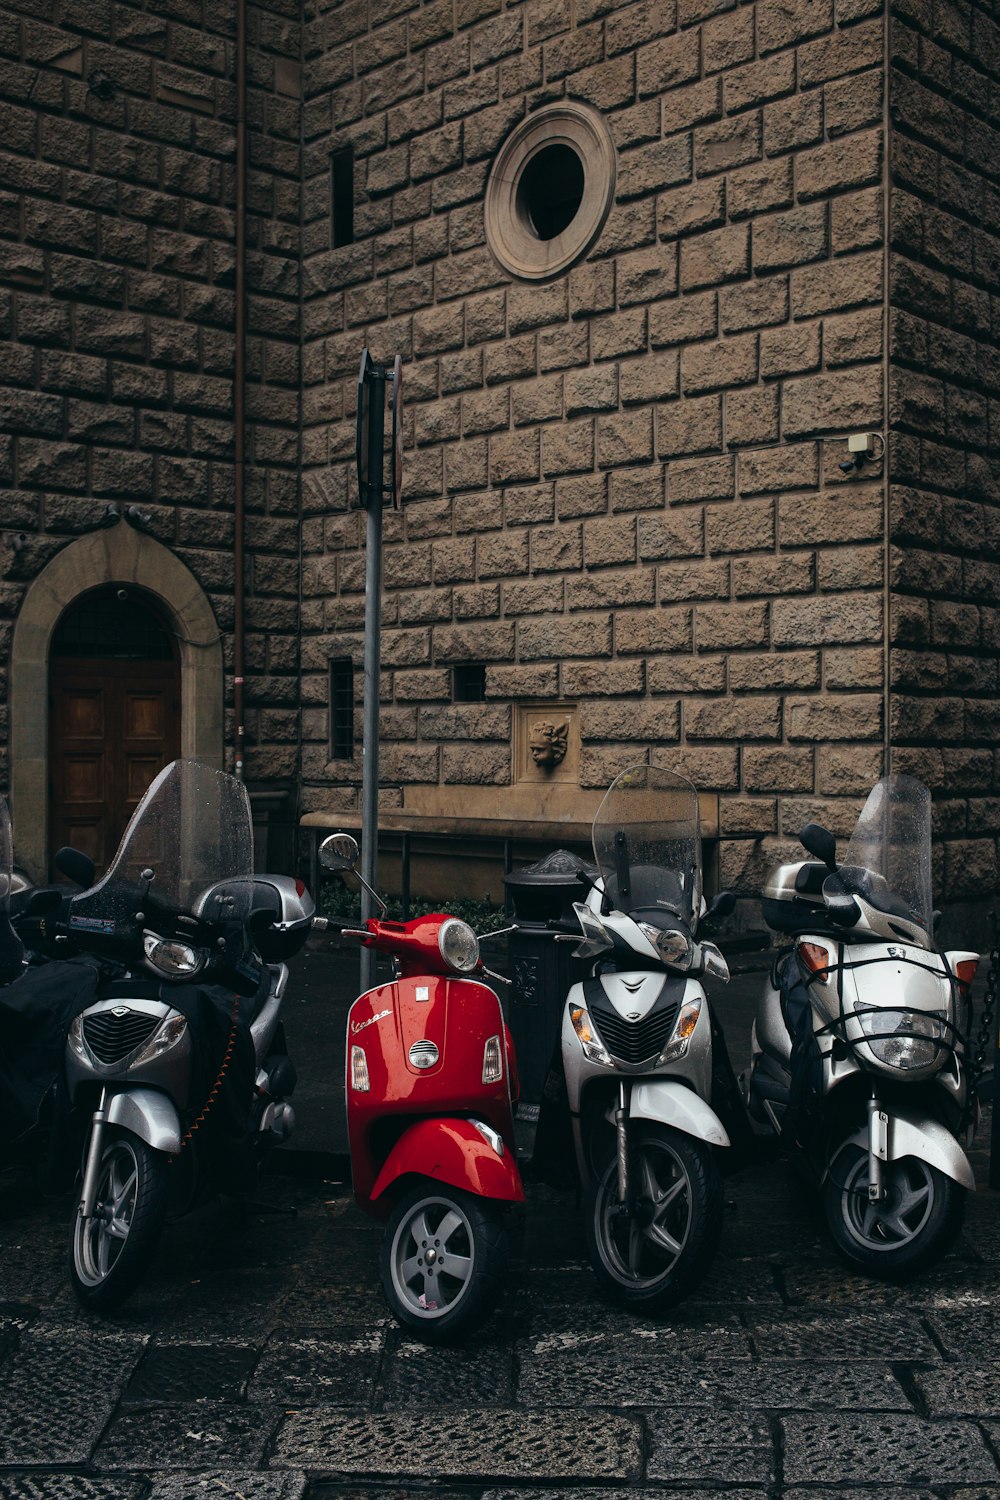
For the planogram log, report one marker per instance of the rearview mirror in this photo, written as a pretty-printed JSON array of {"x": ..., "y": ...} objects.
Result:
[
  {"x": 76, "y": 866},
  {"x": 338, "y": 852},
  {"x": 820, "y": 842}
]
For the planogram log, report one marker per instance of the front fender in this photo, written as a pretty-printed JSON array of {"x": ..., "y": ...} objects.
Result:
[
  {"x": 928, "y": 1140},
  {"x": 148, "y": 1114},
  {"x": 673, "y": 1104},
  {"x": 454, "y": 1152}
]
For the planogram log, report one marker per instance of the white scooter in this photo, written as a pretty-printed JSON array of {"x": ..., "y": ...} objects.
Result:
[
  {"x": 637, "y": 1047},
  {"x": 857, "y": 1051}
]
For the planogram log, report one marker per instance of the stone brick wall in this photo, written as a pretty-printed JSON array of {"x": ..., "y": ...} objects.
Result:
[
  {"x": 117, "y": 307},
  {"x": 945, "y": 417},
  {"x": 622, "y": 487}
]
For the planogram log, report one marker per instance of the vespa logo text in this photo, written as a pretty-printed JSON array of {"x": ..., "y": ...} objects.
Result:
[{"x": 357, "y": 1026}]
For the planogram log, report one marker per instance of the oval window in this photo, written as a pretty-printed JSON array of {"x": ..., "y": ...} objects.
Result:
[{"x": 550, "y": 190}]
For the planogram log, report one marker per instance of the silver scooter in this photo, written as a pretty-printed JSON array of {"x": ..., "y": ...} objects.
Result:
[
  {"x": 180, "y": 1067},
  {"x": 637, "y": 1047},
  {"x": 857, "y": 1049}
]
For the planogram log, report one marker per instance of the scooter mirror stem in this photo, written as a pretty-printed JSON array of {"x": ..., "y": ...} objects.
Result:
[{"x": 819, "y": 841}]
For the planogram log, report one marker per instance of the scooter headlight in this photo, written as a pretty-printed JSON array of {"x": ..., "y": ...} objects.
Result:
[
  {"x": 680, "y": 1037},
  {"x": 458, "y": 945},
  {"x": 175, "y": 959},
  {"x": 674, "y": 947},
  {"x": 905, "y": 1039},
  {"x": 166, "y": 1035},
  {"x": 594, "y": 1049}
]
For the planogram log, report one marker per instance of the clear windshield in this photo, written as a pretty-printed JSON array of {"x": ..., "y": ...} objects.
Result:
[
  {"x": 6, "y": 857},
  {"x": 647, "y": 843},
  {"x": 191, "y": 830},
  {"x": 888, "y": 859}
]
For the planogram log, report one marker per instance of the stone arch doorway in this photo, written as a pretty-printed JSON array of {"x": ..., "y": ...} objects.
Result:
[{"x": 131, "y": 562}]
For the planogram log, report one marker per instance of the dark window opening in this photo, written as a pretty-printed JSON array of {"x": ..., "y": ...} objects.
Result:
[
  {"x": 342, "y": 196},
  {"x": 469, "y": 683},
  {"x": 113, "y": 623},
  {"x": 342, "y": 709},
  {"x": 550, "y": 191}
]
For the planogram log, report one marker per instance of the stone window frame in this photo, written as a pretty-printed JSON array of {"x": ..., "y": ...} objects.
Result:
[
  {"x": 567, "y": 122},
  {"x": 124, "y": 556}
]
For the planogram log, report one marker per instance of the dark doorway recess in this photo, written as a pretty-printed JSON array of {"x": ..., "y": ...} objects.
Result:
[{"x": 114, "y": 715}]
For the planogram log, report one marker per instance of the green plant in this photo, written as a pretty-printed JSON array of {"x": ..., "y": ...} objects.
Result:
[{"x": 343, "y": 904}]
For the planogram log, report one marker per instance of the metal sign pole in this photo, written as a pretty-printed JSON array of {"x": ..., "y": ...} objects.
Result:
[{"x": 373, "y": 654}]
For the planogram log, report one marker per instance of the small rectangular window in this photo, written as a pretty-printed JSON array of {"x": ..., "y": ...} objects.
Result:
[
  {"x": 342, "y": 709},
  {"x": 469, "y": 683},
  {"x": 342, "y": 197}
]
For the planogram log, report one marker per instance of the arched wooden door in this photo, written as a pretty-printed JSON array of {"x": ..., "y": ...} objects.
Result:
[{"x": 114, "y": 716}]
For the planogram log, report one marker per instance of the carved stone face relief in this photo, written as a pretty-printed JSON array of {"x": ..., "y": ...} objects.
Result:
[{"x": 548, "y": 741}]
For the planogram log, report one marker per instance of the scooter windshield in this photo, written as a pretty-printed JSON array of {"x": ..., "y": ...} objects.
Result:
[
  {"x": 192, "y": 830},
  {"x": 647, "y": 843},
  {"x": 888, "y": 859}
]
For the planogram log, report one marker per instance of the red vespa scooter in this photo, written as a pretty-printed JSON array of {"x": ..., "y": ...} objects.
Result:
[{"x": 431, "y": 1078}]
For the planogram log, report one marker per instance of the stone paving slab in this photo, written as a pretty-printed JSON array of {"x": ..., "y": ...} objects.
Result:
[
  {"x": 730, "y": 1449},
  {"x": 962, "y": 1390},
  {"x": 207, "y": 1434},
  {"x": 192, "y": 1372},
  {"x": 414, "y": 1376},
  {"x": 474, "y": 1443},
  {"x": 968, "y": 1333},
  {"x": 59, "y": 1391},
  {"x": 319, "y": 1367},
  {"x": 212, "y": 1485},
  {"x": 888, "y": 1449},
  {"x": 834, "y": 1334}
]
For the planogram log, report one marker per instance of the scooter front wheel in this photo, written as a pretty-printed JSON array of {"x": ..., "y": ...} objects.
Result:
[
  {"x": 910, "y": 1228},
  {"x": 443, "y": 1258},
  {"x": 109, "y": 1252},
  {"x": 651, "y": 1253}
]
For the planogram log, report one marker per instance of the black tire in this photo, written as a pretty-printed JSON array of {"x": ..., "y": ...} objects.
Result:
[
  {"x": 444, "y": 1300},
  {"x": 108, "y": 1257},
  {"x": 655, "y": 1258},
  {"x": 913, "y": 1227}
]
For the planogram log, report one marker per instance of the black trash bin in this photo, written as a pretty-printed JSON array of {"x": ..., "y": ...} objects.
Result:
[{"x": 542, "y": 970}]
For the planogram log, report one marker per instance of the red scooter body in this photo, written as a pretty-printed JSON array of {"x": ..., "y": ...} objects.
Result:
[
  {"x": 428, "y": 1135},
  {"x": 416, "y": 1119}
]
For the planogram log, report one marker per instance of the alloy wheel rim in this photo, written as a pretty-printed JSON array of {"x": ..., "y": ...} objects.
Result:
[
  {"x": 432, "y": 1257},
  {"x": 99, "y": 1241},
  {"x": 644, "y": 1248},
  {"x": 899, "y": 1218}
]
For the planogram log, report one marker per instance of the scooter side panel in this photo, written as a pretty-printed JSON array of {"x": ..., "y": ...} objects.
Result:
[
  {"x": 675, "y": 1104},
  {"x": 451, "y": 1151},
  {"x": 148, "y": 1114},
  {"x": 928, "y": 1140}
]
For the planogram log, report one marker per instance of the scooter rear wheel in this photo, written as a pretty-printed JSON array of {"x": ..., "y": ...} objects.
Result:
[
  {"x": 911, "y": 1228},
  {"x": 654, "y": 1256},
  {"x": 443, "y": 1259},
  {"x": 109, "y": 1253}
]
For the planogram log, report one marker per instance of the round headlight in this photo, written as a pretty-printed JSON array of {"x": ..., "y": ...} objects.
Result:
[
  {"x": 177, "y": 960},
  {"x": 904, "y": 1039},
  {"x": 459, "y": 945}
]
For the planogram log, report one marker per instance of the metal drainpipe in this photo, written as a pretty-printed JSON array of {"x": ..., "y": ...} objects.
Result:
[{"x": 239, "y": 379}]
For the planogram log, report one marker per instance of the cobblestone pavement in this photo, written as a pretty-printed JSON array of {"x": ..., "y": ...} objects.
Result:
[{"x": 258, "y": 1361}]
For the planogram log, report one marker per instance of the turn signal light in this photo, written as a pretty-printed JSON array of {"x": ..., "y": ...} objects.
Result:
[
  {"x": 359, "y": 1070},
  {"x": 492, "y": 1061},
  {"x": 965, "y": 971},
  {"x": 816, "y": 960}
]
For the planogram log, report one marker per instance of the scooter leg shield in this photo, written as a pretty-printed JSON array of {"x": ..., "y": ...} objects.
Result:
[
  {"x": 928, "y": 1140},
  {"x": 454, "y": 1152},
  {"x": 673, "y": 1104},
  {"x": 148, "y": 1114}
]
